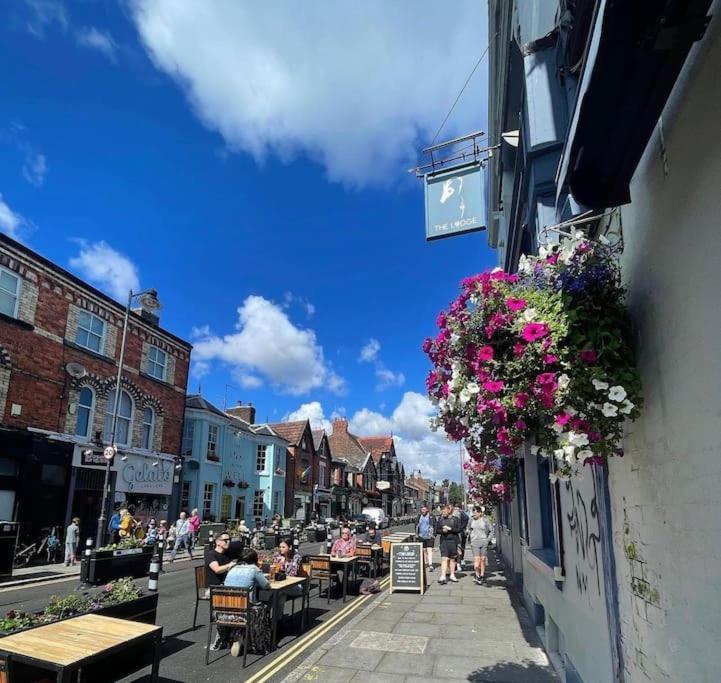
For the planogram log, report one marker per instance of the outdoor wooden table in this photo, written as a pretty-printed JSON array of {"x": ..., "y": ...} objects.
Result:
[
  {"x": 67, "y": 646},
  {"x": 278, "y": 587},
  {"x": 394, "y": 538},
  {"x": 346, "y": 563}
]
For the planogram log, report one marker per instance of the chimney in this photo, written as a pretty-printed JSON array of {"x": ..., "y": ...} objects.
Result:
[
  {"x": 340, "y": 425},
  {"x": 148, "y": 316},
  {"x": 245, "y": 413}
]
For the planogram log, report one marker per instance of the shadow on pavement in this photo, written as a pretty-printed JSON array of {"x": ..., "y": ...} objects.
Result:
[{"x": 511, "y": 672}]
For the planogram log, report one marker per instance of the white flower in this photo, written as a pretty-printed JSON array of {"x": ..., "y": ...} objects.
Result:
[
  {"x": 563, "y": 381},
  {"x": 442, "y": 405},
  {"x": 553, "y": 477},
  {"x": 452, "y": 398},
  {"x": 524, "y": 265},
  {"x": 464, "y": 396},
  {"x": 571, "y": 411},
  {"x": 556, "y": 427},
  {"x": 558, "y": 453},
  {"x": 585, "y": 453},
  {"x": 598, "y": 385},
  {"x": 543, "y": 251},
  {"x": 434, "y": 424},
  {"x": 455, "y": 337},
  {"x": 472, "y": 388},
  {"x": 609, "y": 410},
  {"x": 529, "y": 314},
  {"x": 578, "y": 438},
  {"x": 617, "y": 393},
  {"x": 464, "y": 421},
  {"x": 627, "y": 407},
  {"x": 497, "y": 269},
  {"x": 569, "y": 454}
]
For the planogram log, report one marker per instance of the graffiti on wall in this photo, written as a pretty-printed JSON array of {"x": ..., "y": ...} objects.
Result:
[{"x": 583, "y": 523}]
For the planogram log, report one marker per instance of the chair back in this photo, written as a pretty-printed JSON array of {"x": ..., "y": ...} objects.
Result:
[
  {"x": 364, "y": 551},
  {"x": 229, "y": 599},
  {"x": 200, "y": 587},
  {"x": 320, "y": 566},
  {"x": 304, "y": 567}
]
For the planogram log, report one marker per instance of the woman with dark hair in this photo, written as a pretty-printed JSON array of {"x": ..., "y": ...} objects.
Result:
[{"x": 286, "y": 558}]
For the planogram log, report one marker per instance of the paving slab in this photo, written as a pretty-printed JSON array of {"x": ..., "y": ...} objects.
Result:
[
  {"x": 359, "y": 660},
  {"x": 375, "y": 677},
  {"x": 329, "y": 674},
  {"x": 390, "y": 642},
  {"x": 413, "y": 665}
]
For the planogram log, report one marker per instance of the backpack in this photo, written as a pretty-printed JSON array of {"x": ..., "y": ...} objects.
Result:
[{"x": 369, "y": 586}]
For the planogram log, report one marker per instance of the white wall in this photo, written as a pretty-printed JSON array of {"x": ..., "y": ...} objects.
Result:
[{"x": 665, "y": 492}]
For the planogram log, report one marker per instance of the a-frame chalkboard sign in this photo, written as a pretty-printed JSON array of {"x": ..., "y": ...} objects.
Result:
[{"x": 408, "y": 573}]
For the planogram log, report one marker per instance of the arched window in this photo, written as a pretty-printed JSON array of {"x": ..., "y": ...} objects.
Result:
[
  {"x": 148, "y": 428},
  {"x": 86, "y": 403},
  {"x": 123, "y": 428}
]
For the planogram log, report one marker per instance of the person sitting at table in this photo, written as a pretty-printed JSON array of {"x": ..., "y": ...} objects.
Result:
[
  {"x": 345, "y": 545},
  {"x": 371, "y": 537},
  {"x": 288, "y": 561},
  {"x": 218, "y": 562},
  {"x": 247, "y": 574}
]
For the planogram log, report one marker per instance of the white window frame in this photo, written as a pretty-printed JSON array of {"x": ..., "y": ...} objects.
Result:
[
  {"x": 16, "y": 294},
  {"x": 261, "y": 456},
  {"x": 213, "y": 429},
  {"x": 90, "y": 331},
  {"x": 148, "y": 431},
  {"x": 108, "y": 426},
  {"x": 259, "y": 504},
  {"x": 208, "y": 487},
  {"x": 154, "y": 363},
  {"x": 91, "y": 412}
]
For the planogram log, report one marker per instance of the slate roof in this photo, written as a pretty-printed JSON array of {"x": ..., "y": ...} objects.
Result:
[
  {"x": 346, "y": 446},
  {"x": 317, "y": 437},
  {"x": 197, "y": 402},
  {"x": 377, "y": 445},
  {"x": 292, "y": 432}
]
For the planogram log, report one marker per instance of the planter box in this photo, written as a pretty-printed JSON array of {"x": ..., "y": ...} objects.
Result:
[
  {"x": 102, "y": 566},
  {"x": 143, "y": 609}
]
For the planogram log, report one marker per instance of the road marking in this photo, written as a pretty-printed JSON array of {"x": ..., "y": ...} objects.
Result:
[{"x": 298, "y": 648}]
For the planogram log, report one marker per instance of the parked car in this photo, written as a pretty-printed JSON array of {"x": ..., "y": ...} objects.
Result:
[{"x": 376, "y": 515}]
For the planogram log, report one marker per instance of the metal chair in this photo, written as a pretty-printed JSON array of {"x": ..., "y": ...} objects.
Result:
[
  {"x": 321, "y": 569},
  {"x": 366, "y": 559},
  {"x": 229, "y": 607},
  {"x": 201, "y": 590}
]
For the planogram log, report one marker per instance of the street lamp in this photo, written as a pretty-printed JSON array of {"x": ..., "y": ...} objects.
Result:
[{"x": 149, "y": 300}]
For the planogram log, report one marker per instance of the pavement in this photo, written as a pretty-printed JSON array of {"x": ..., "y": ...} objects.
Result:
[{"x": 456, "y": 632}]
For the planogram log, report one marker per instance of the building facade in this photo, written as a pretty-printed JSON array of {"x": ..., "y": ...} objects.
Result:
[
  {"x": 59, "y": 352},
  {"x": 606, "y": 101},
  {"x": 234, "y": 469}
]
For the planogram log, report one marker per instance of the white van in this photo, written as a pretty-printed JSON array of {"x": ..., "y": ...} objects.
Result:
[{"x": 376, "y": 515}]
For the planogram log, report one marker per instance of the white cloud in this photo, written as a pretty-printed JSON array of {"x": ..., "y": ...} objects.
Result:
[
  {"x": 269, "y": 345},
  {"x": 312, "y": 411},
  {"x": 370, "y": 351},
  {"x": 35, "y": 168},
  {"x": 11, "y": 222},
  {"x": 416, "y": 445},
  {"x": 355, "y": 86},
  {"x": 289, "y": 298},
  {"x": 96, "y": 39},
  {"x": 107, "y": 268},
  {"x": 43, "y": 14},
  {"x": 387, "y": 378}
]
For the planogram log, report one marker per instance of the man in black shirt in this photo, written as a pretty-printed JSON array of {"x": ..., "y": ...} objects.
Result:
[
  {"x": 217, "y": 561},
  {"x": 448, "y": 527}
]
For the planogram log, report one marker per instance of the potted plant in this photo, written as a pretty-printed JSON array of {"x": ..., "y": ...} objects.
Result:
[
  {"x": 127, "y": 558},
  {"x": 243, "y": 484},
  {"x": 228, "y": 482}
]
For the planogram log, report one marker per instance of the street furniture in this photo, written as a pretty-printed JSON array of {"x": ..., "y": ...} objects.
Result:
[
  {"x": 70, "y": 646},
  {"x": 320, "y": 569},
  {"x": 276, "y": 589},
  {"x": 201, "y": 590},
  {"x": 229, "y": 606}
]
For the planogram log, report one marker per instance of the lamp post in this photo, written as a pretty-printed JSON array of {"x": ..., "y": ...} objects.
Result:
[{"x": 149, "y": 301}]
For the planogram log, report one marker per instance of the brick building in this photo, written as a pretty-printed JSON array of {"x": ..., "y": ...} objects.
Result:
[{"x": 59, "y": 350}]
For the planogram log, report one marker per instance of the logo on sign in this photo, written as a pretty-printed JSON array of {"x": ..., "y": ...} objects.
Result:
[{"x": 109, "y": 452}]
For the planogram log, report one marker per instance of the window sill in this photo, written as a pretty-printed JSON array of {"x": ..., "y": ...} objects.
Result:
[
  {"x": 212, "y": 462},
  {"x": 543, "y": 560},
  {"x": 16, "y": 321},
  {"x": 155, "y": 379},
  {"x": 90, "y": 352}
]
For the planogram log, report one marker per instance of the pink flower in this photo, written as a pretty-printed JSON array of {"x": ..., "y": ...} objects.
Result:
[
  {"x": 534, "y": 331},
  {"x": 521, "y": 425},
  {"x": 549, "y": 359},
  {"x": 546, "y": 378},
  {"x": 521, "y": 399},
  {"x": 563, "y": 418},
  {"x": 427, "y": 344},
  {"x": 441, "y": 319},
  {"x": 515, "y": 304},
  {"x": 485, "y": 354},
  {"x": 589, "y": 356},
  {"x": 493, "y": 386},
  {"x": 552, "y": 259},
  {"x": 503, "y": 435},
  {"x": 519, "y": 350}
]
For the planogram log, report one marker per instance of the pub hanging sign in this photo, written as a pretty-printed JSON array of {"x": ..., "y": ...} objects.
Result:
[{"x": 455, "y": 201}]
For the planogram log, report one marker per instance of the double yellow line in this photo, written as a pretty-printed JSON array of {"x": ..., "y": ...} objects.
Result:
[{"x": 295, "y": 650}]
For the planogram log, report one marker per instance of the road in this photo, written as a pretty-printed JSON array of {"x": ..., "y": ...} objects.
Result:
[{"x": 184, "y": 648}]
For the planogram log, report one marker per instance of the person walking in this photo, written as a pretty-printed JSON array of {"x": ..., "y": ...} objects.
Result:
[
  {"x": 447, "y": 527},
  {"x": 72, "y": 536},
  {"x": 463, "y": 518},
  {"x": 182, "y": 536},
  {"x": 151, "y": 533},
  {"x": 114, "y": 527},
  {"x": 426, "y": 533},
  {"x": 194, "y": 523},
  {"x": 479, "y": 529}
]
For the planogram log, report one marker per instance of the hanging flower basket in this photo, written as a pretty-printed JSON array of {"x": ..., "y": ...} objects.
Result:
[
  {"x": 543, "y": 356},
  {"x": 242, "y": 484},
  {"x": 228, "y": 482}
]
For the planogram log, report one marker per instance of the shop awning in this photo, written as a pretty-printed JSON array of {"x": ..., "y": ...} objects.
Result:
[{"x": 634, "y": 55}]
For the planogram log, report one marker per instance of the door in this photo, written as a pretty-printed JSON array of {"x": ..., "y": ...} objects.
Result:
[{"x": 240, "y": 507}]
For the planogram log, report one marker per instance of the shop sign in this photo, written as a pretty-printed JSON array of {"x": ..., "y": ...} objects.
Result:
[
  {"x": 455, "y": 201},
  {"x": 383, "y": 485},
  {"x": 137, "y": 475}
]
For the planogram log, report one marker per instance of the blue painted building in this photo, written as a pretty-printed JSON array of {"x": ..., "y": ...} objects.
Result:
[{"x": 234, "y": 469}]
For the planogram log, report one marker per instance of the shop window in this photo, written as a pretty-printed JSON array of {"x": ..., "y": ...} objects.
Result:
[
  {"x": 91, "y": 330},
  {"x": 188, "y": 434},
  {"x": 260, "y": 457},
  {"x": 9, "y": 293},
  {"x": 86, "y": 404},
  {"x": 240, "y": 507},
  {"x": 522, "y": 501},
  {"x": 148, "y": 428},
  {"x": 157, "y": 362},
  {"x": 212, "y": 451},
  {"x": 258, "y": 504},
  {"x": 124, "y": 422},
  {"x": 545, "y": 499},
  {"x": 208, "y": 492},
  {"x": 185, "y": 496}
]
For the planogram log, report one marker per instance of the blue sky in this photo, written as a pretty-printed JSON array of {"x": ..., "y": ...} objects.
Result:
[{"x": 250, "y": 163}]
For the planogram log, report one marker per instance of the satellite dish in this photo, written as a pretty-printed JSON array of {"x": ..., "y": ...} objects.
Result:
[{"x": 76, "y": 370}]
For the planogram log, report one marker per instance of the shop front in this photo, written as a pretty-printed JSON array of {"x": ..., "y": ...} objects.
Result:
[
  {"x": 303, "y": 502},
  {"x": 323, "y": 501}
]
